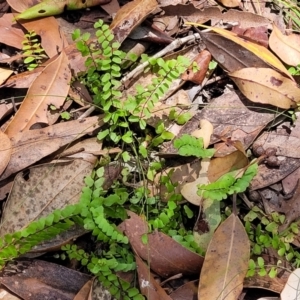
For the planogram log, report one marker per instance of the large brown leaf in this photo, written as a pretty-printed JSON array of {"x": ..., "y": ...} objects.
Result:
[
  {"x": 165, "y": 256},
  {"x": 226, "y": 262},
  {"x": 49, "y": 88},
  {"x": 42, "y": 189},
  {"x": 267, "y": 86},
  {"x": 130, "y": 16}
]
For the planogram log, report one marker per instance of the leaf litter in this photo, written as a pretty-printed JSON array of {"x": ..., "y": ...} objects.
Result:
[{"x": 248, "y": 119}]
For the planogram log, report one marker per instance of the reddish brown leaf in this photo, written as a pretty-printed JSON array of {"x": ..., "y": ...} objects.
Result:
[
  {"x": 165, "y": 256},
  {"x": 202, "y": 60}
]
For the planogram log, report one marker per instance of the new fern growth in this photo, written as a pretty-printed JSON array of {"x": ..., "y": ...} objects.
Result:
[{"x": 33, "y": 51}]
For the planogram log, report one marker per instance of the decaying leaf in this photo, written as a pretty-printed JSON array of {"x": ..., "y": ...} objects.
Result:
[
  {"x": 42, "y": 189},
  {"x": 49, "y": 88},
  {"x": 267, "y": 86},
  {"x": 287, "y": 47},
  {"x": 130, "y": 16},
  {"x": 226, "y": 262}
]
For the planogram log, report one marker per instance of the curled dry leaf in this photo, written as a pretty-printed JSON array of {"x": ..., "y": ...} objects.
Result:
[
  {"x": 226, "y": 262},
  {"x": 267, "y": 86},
  {"x": 130, "y": 16},
  {"x": 5, "y": 150},
  {"x": 205, "y": 132},
  {"x": 202, "y": 60},
  {"x": 287, "y": 47},
  {"x": 49, "y": 88}
]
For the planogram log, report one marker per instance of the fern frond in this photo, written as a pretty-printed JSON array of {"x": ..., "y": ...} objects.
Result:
[
  {"x": 188, "y": 145},
  {"x": 228, "y": 185}
]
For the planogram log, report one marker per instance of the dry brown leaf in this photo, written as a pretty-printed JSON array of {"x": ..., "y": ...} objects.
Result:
[
  {"x": 148, "y": 285},
  {"x": 222, "y": 165},
  {"x": 49, "y": 88},
  {"x": 130, "y": 16},
  {"x": 226, "y": 262},
  {"x": 41, "y": 190},
  {"x": 267, "y": 86},
  {"x": 5, "y": 150},
  {"x": 33, "y": 145},
  {"x": 260, "y": 51},
  {"x": 287, "y": 47},
  {"x": 165, "y": 256}
]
